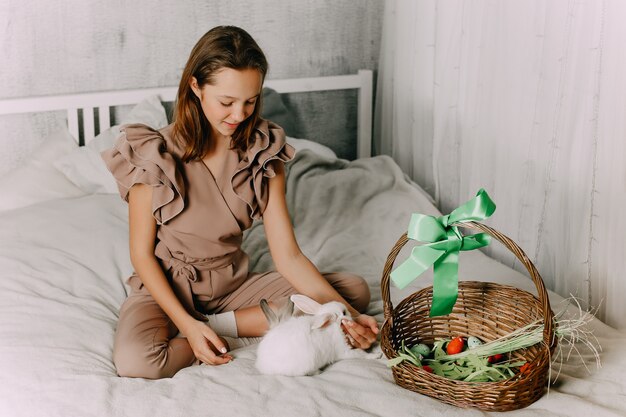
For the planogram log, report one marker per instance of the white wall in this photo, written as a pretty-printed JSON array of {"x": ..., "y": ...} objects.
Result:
[
  {"x": 526, "y": 99},
  {"x": 68, "y": 46}
]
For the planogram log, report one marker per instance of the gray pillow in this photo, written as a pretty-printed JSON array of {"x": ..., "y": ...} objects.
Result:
[{"x": 274, "y": 109}]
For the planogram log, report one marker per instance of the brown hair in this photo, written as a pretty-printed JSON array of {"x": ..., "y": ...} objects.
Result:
[{"x": 221, "y": 47}]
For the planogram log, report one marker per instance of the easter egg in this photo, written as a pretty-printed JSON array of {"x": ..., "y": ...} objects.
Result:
[
  {"x": 495, "y": 358},
  {"x": 421, "y": 349},
  {"x": 473, "y": 342},
  {"x": 455, "y": 346}
]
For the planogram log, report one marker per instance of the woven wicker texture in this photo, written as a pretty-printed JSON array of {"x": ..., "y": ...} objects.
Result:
[{"x": 485, "y": 310}]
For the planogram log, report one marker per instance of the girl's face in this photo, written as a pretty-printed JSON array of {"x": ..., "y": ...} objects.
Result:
[{"x": 230, "y": 100}]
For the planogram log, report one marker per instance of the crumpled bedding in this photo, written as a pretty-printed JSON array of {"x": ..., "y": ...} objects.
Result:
[{"x": 62, "y": 267}]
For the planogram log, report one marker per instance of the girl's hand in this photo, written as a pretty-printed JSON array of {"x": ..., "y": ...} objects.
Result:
[
  {"x": 362, "y": 331},
  {"x": 207, "y": 346}
]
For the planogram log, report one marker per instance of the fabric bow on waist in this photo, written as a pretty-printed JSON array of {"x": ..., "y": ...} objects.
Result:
[
  {"x": 443, "y": 250},
  {"x": 185, "y": 272}
]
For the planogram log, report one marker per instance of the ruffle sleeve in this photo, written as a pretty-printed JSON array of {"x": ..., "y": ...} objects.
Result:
[
  {"x": 140, "y": 156},
  {"x": 249, "y": 181}
]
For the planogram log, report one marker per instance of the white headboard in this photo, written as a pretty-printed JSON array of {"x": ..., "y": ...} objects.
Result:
[{"x": 101, "y": 102}]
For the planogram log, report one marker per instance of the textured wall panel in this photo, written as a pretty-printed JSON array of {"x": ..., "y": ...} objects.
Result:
[
  {"x": 78, "y": 46},
  {"x": 526, "y": 99}
]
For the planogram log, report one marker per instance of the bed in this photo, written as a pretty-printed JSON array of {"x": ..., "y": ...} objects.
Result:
[{"x": 64, "y": 259}]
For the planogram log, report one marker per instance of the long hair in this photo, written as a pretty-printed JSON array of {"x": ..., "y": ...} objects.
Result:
[{"x": 221, "y": 47}]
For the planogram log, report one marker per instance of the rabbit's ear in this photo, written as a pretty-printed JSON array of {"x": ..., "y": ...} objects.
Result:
[
  {"x": 322, "y": 320},
  {"x": 306, "y": 304},
  {"x": 287, "y": 310},
  {"x": 269, "y": 314}
]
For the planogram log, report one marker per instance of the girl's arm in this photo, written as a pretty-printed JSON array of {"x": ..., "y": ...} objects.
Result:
[
  {"x": 295, "y": 266},
  {"x": 142, "y": 229}
]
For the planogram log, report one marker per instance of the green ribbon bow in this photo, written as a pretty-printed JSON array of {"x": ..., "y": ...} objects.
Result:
[{"x": 443, "y": 250}]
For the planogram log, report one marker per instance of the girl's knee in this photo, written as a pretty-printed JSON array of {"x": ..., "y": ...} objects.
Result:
[
  {"x": 135, "y": 362},
  {"x": 354, "y": 289},
  {"x": 362, "y": 294}
]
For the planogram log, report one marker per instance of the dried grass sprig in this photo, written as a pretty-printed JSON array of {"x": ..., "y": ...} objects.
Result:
[{"x": 569, "y": 332}]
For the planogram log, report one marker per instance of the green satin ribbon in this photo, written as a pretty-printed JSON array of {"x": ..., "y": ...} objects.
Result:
[{"x": 443, "y": 250}]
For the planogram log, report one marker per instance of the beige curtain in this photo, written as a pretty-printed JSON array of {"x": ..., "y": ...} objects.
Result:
[{"x": 526, "y": 99}]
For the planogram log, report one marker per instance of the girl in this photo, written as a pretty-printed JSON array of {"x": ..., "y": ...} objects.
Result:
[{"x": 192, "y": 189}]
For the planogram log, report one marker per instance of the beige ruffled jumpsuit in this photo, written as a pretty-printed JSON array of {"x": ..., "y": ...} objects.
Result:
[{"x": 200, "y": 223}]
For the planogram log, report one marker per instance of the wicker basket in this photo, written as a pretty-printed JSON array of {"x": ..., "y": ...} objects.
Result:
[{"x": 485, "y": 310}]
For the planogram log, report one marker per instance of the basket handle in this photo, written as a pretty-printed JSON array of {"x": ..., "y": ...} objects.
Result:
[{"x": 548, "y": 315}]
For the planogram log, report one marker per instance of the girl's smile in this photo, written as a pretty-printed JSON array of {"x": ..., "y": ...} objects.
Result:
[{"x": 231, "y": 125}]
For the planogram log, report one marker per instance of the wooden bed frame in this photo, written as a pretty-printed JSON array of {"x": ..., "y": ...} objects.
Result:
[{"x": 87, "y": 104}]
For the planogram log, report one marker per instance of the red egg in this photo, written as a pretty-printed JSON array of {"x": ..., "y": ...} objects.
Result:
[
  {"x": 455, "y": 346},
  {"x": 427, "y": 369},
  {"x": 495, "y": 358}
]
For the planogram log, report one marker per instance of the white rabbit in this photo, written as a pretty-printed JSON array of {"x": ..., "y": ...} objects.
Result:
[{"x": 302, "y": 345}]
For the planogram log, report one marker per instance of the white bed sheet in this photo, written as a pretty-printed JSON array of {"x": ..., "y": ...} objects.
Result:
[{"x": 62, "y": 267}]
